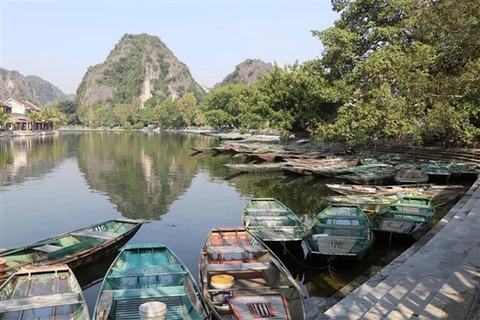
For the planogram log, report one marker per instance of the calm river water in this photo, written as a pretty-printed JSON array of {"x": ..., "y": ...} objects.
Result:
[{"x": 51, "y": 185}]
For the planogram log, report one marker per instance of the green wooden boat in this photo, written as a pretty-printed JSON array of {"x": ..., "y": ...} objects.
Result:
[
  {"x": 411, "y": 175},
  {"x": 270, "y": 220},
  {"x": 144, "y": 273},
  {"x": 45, "y": 292},
  {"x": 436, "y": 172},
  {"x": 73, "y": 248},
  {"x": 340, "y": 230},
  {"x": 409, "y": 215},
  {"x": 242, "y": 279}
]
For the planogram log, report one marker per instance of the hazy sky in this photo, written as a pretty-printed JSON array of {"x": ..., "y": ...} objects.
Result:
[{"x": 59, "y": 40}]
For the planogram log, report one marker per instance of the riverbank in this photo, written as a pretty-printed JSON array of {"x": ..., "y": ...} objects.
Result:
[
  {"x": 436, "y": 278},
  {"x": 14, "y": 134}
]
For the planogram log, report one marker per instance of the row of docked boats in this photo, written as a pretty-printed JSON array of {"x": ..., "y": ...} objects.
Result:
[
  {"x": 239, "y": 277},
  {"x": 355, "y": 168}
]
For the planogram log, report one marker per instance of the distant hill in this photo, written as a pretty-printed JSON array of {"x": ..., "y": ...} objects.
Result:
[
  {"x": 139, "y": 66},
  {"x": 246, "y": 72},
  {"x": 32, "y": 88}
]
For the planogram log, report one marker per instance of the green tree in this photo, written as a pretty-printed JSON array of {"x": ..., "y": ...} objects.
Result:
[
  {"x": 5, "y": 118},
  {"x": 188, "y": 108},
  {"x": 404, "y": 66}
]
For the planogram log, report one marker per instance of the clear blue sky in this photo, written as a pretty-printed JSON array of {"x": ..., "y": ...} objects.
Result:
[{"x": 59, "y": 40}]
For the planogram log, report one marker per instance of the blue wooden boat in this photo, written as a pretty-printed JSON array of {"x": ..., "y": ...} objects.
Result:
[
  {"x": 45, "y": 292},
  {"x": 410, "y": 215},
  {"x": 145, "y": 273},
  {"x": 340, "y": 230},
  {"x": 73, "y": 248}
]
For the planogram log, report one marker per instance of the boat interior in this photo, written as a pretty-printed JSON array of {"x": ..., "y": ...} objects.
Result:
[
  {"x": 141, "y": 275},
  {"x": 236, "y": 253},
  {"x": 69, "y": 244},
  {"x": 56, "y": 291}
]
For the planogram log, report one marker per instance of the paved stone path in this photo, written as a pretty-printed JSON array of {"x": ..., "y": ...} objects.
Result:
[{"x": 437, "y": 278}]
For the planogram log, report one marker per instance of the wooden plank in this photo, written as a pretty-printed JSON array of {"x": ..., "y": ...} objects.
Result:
[
  {"x": 40, "y": 301},
  {"x": 267, "y": 217},
  {"x": 146, "y": 271},
  {"x": 104, "y": 305},
  {"x": 48, "y": 248},
  {"x": 238, "y": 266},
  {"x": 235, "y": 249},
  {"x": 149, "y": 292},
  {"x": 408, "y": 213},
  {"x": 339, "y": 226},
  {"x": 97, "y": 234}
]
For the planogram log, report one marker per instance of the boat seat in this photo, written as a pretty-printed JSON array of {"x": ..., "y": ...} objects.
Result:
[
  {"x": 266, "y": 210},
  {"x": 48, "y": 248},
  {"x": 238, "y": 266},
  {"x": 259, "y": 217},
  {"x": 408, "y": 213},
  {"x": 339, "y": 226},
  {"x": 97, "y": 234},
  {"x": 149, "y": 292},
  {"x": 146, "y": 271},
  {"x": 235, "y": 249},
  {"x": 339, "y": 217},
  {"x": 51, "y": 300},
  {"x": 421, "y": 206}
]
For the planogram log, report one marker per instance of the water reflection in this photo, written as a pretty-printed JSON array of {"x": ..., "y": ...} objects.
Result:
[
  {"x": 142, "y": 175},
  {"x": 29, "y": 158}
]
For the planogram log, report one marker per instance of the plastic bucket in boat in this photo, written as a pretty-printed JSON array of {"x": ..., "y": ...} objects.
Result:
[
  {"x": 222, "y": 282},
  {"x": 153, "y": 310}
]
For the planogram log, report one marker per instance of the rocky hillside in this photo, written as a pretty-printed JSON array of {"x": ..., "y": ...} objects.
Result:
[
  {"x": 32, "y": 88},
  {"x": 247, "y": 71},
  {"x": 139, "y": 66}
]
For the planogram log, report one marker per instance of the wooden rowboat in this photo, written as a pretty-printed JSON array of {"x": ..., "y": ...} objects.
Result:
[
  {"x": 45, "y": 292},
  {"x": 411, "y": 216},
  {"x": 73, "y": 248},
  {"x": 351, "y": 189},
  {"x": 144, "y": 273},
  {"x": 271, "y": 221},
  {"x": 242, "y": 279},
  {"x": 341, "y": 231}
]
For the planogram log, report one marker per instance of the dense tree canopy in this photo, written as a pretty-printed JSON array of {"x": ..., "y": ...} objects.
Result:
[{"x": 393, "y": 69}]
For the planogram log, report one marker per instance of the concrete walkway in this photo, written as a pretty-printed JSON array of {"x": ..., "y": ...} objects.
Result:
[{"x": 437, "y": 278}]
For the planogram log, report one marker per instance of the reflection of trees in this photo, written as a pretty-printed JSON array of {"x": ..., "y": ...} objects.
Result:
[
  {"x": 29, "y": 157},
  {"x": 141, "y": 174},
  {"x": 301, "y": 195}
]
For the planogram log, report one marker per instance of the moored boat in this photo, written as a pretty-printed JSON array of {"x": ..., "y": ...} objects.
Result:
[
  {"x": 340, "y": 230},
  {"x": 352, "y": 189},
  {"x": 411, "y": 175},
  {"x": 412, "y": 216},
  {"x": 271, "y": 221},
  {"x": 370, "y": 204},
  {"x": 146, "y": 273},
  {"x": 73, "y": 248},
  {"x": 436, "y": 172},
  {"x": 242, "y": 279},
  {"x": 44, "y": 292},
  {"x": 254, "y": 168}
]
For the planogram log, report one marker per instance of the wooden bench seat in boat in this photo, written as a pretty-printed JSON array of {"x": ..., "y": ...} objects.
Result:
[
  {"x": 339, "y": 226},
  {"x": 146, "y": 271},
  {"x": 263, "y": 217},
  {"x": 342, "y": 217},
  {"x": 235, "y": 249},
  {"x": 96, "y": 234},
  {"x": 149, "y": 292},
  {"x": 408, "y": 213},
  {"x": 48, "y": 248},
  {"x": 238, "y": 266},
  {"x": 266, "y": 210},
  {"x": 420, "y": 206},
  {"x": 52, "y": 300}
]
